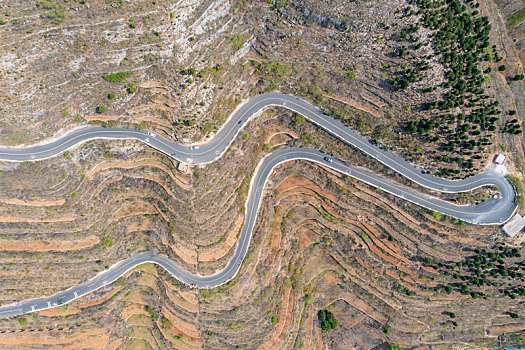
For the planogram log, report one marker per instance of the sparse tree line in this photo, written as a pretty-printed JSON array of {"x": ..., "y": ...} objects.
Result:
[
  {"x": 460, "y": 40},
  {"x": 485, "y": 268}
]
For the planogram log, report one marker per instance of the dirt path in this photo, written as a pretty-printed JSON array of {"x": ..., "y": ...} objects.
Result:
[
  {"x": 50, "y": 245},
  {"x": 35, "y": 203},
  {"x": 89, "y": 339},
  {"x": 13, "y": 219},
  {"x": 356, "y": 105}
]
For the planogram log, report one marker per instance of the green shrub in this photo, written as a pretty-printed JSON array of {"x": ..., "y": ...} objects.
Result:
[
  {"x": 101, "y": 109},
  {"x": 152, "y": 312},
  {"x": 207, "y": 127},
  {"x": 142, "y": 126},
  {"x": 315, "y": 90},
  {"x": 131, "y": 88},
  {"x": 166, "y": 323},
  {"x": 108, "y": 242},
  {"x": 516, "y": 18},
  {"x": 298, "y": 119},
  {"x": 111, "y": 96},
  {"x": 278, "y": 68},
  {"x": 299, "y": 343},
  {"x": 395, "y": 347},
  {"x": 117, "y": 77},
  {"x": 308, "y": 299}
]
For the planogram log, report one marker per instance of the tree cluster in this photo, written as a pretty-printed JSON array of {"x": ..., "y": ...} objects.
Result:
[
  {"x": 328, "y": 321},
  {"x": 512, "y": 127},
  {"x": 460, "y": 40},
  {"x": 486, "y": 269}
]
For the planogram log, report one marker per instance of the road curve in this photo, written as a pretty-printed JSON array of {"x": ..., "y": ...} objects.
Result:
[{"x": 492, "y": 211}]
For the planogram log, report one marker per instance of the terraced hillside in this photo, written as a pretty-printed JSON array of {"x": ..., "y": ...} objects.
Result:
[
  {"x": 388, "y": 271},
  {"x": 380, "y": 265}
]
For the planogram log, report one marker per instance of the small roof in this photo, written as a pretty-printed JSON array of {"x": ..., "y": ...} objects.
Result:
[
  {"x": 184, "y": 167},
  {"x": 499, "y": 159},
  {"x": 514, "y": 225}
]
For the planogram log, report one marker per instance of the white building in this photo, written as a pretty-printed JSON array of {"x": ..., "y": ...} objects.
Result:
[
  {"x": 514, "y": 225},
  {"x": 499, "y": 159}
]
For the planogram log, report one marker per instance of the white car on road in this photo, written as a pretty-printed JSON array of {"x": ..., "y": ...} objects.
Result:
[
  {"x": 151, "y": 134},
  {"x": 194, "y": 147}
]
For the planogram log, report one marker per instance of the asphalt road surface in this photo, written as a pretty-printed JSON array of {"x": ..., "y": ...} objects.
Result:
[{"x": 493, "y": 211}]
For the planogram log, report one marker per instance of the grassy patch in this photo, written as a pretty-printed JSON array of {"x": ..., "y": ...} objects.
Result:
[
  {"x": 117, "y": 77},
  {"x": 15, "y": 138},
  {"x": 55, "y": 11},
  {"x": 516, "y": 18},
  {"x": 166, "y": 323},
  {"x": 152, "y": 312},
  {"x": 108, "y": 242},
  {"x": 518, "y": 185},
  {"x": 137, "y": 344}
]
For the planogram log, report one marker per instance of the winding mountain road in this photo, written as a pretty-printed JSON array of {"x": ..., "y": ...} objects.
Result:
[{"x": 493, "y": 211}]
